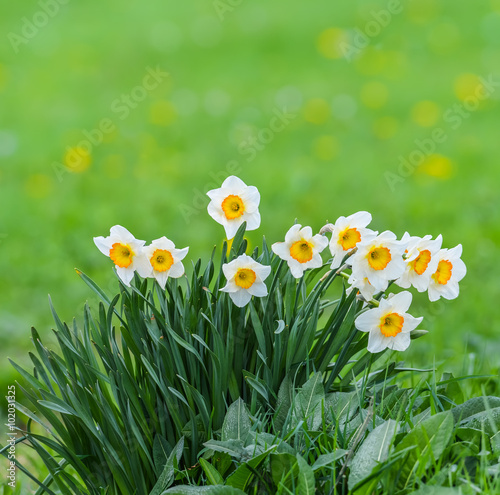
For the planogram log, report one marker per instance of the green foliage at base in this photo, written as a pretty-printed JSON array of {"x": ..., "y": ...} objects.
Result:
[{"x": 163, "y": 391}]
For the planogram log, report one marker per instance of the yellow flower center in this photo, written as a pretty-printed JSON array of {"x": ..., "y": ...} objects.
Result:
[
  {"x": 349, "y": 238},
  {"x": 121, "y": 254},
  {"x": 233, "y": 207},
  {"x": 244, "y": 278},
  {"x": 391, "y": 324},
  {"x": 301, "y": 251},
  {"x": 161, "y": 260},
  {"x": 421, "y": 262},
  {"x": 443, "y": 272},
  {"x": 379, "y": 258}
]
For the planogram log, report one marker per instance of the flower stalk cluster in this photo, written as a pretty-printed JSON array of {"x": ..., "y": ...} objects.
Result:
[{"x": 376, "y": 260}]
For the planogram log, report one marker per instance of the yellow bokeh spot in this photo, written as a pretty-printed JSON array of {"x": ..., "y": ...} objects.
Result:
[
  {"x": 114, "y": 166},
  {"x": 372, "y": 61},
  {"x": 77, "y": 159},
  {"x": 426, "y": 113},
  {"x": 317, "y": 111},
  {"x": 374, "y": 95},
  {"x": 467, "y": 85},
  {"x": 422, "y": 11},
  {"x": 39, "y": 186},
  {"x": 386, "y": 127},
  {"x": 331, "y": 43},
  {"x": 438, "y": 166},
  {"x": 162, "y": 113},
  {"x": 326, "y": 148}
]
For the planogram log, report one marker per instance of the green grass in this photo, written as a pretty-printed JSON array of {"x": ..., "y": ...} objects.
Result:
[{"x": 226, "y": 79}]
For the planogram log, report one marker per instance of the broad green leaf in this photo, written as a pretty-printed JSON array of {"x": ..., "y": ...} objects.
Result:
[
  {"x": 495, "y": 444},
  {"x": 438, "y": 490},
  {"x": 341, "y": 406},
  {"x": 328, "y": 459},
  {"x": 307, "y": 403},
  {"x": 474, "y": 406},
  {"x": 213, "y": 476},
  {"x": 283, "y": 404},
  {"x": 244, "y": 474},
  {"x": 427, "y": 442},
  {"x": 306, "y": 484},
  {"x": 488, "y": 421},
  {"x": 213, "y": 490},
  {"x": 284, "y": 469},
  {"x": 236, "y": 423},
  {"x": 235, "y": 448},
  {"x": 167, "y": 476},
  {"x": 161, "y": 448},
  {"x": 373, "y": 451}
]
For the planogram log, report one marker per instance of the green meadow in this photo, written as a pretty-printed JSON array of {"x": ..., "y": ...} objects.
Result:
[{"x": 128, "y": 112}]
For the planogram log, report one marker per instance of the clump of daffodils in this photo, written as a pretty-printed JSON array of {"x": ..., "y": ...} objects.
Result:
[{"x": 375, "y": 260}]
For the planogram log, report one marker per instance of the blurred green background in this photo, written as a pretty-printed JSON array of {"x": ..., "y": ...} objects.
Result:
[{"x": 355, "y": 86}]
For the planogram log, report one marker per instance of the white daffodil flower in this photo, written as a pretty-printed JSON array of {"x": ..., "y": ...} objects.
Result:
[
  {"x": 379, "y": 259},
  {"x": 421, "y": 261},
  {"x": 450, "y": 270},
  {"x": 245, "y": 278},
  {"x": 365, "y": 288},
  {"x": 347, "y": 233},
  {"x": 124, "y": 250},
  {"x": 389, "y": 325},
  {"x": 162, "y": 260},
  {"x": 235, "y": 203},
  {"x": 301, "y": 250}
]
